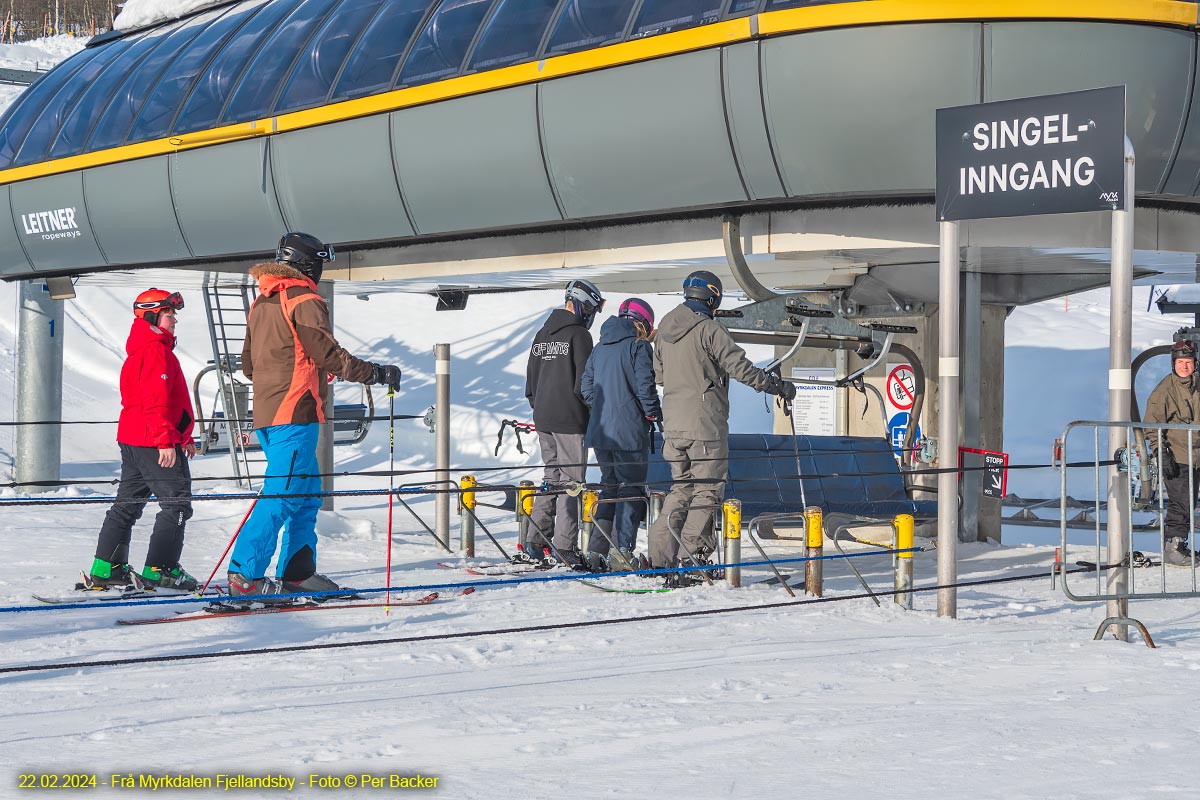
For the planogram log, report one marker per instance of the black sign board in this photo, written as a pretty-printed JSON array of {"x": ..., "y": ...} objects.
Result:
[
  {"x": 994, "y": 477},
  {"x": 1038, "y": 155}
]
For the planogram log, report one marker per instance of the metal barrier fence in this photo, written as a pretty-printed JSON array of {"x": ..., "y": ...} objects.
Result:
[{"x": 1121, "y": 572}]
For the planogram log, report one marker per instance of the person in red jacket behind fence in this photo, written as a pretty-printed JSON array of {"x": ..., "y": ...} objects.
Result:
[{"x": 155, "y": 436}]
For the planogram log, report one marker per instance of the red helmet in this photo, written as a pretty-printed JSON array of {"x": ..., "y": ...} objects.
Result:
[{"x": 152, "y": 302}]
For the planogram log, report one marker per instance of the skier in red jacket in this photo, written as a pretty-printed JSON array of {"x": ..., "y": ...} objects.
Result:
[{"x": 155, "y": 436}]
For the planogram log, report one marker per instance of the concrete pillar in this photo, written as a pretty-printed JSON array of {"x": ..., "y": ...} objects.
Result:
[
  {"x": 991, "y": 407},
  {"x": 38, "y": 451},
  {"x": 325, "y": 441},
  {"x": 970, "y": 323}
]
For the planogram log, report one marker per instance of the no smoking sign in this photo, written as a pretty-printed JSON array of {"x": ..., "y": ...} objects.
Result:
[{"x": 901, "y": 387}]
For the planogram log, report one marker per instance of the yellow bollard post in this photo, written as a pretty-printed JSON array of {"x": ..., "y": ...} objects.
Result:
[
  {"x": 733, "y": 542},
  {"x": 903, "y": 525},
  {"x": 587, "y": 516},
  {"x": 814, "y": 570},
  {"x": 466, "y": 502},
  {"x": 524, "y": 510}
]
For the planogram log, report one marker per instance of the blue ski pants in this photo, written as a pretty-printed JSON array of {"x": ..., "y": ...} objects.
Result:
[{"x": 291, "y": 452}]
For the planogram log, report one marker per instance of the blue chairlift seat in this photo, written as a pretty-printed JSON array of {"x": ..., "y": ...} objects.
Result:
[{"x": 847, "y": 475}]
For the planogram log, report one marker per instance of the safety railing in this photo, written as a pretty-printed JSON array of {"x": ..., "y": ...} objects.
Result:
[{"x": 1119, "y": 569}]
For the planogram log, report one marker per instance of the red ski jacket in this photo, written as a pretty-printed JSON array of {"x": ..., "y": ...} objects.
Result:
[{"x": 156, "y": 409}]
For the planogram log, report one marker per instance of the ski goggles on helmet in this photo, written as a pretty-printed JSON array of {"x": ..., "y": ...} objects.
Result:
[
  {"x": 286, "y": 254},
  {"x": 174, "y": 301}
]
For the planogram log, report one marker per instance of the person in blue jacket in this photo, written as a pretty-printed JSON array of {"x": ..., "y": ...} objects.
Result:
[{"x": 618, "y": 385}]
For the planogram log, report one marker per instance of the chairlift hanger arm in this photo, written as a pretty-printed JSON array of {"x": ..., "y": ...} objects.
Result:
[
  {"x": 879, "y": 356},
  {"x": 785, "y": 314},
  {"x": 795, "y": 347}
]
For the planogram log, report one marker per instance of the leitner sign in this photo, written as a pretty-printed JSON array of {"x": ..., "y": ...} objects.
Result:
[{"x": 1038, "y": 155}]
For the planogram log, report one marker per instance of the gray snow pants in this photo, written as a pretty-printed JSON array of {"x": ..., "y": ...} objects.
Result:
[
  {"x": 698, "y": 473},
  {"x": 557, "y": 515}
]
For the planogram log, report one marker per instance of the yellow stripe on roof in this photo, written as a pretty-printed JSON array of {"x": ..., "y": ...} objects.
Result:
[
  {"x": 797, "y": 20},
  {"x": 879, "y": 12}
]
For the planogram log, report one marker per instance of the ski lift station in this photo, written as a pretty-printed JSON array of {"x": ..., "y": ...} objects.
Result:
[{"x": 446, "y": 146}]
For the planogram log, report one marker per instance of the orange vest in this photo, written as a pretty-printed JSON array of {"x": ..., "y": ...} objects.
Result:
[{"x": 306, "y": 376}]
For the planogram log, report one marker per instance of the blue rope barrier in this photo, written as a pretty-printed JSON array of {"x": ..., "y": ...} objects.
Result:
[
  {"x": 573, "y": 576},
  {"x": 96, "y": 499}
]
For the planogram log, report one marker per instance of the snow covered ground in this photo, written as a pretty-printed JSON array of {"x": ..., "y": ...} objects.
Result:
[{"x": 831, "y": 700}]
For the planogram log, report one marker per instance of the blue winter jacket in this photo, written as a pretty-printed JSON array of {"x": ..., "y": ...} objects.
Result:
[{"x": 618, "y": 384}]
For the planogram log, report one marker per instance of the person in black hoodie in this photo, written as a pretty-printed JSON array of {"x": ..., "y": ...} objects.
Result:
[{"x": 552, "y": 385}]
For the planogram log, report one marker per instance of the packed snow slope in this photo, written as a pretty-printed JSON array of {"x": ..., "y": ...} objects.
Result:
[
  {"x": 837, "y": 700},
  {"x": 1010, "y": 700}
]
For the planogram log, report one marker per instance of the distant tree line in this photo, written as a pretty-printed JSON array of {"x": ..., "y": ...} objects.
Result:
[{"x": 23, "y": 20}]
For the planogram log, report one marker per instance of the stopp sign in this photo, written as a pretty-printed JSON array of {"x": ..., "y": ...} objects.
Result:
[{"x": 1037, "y": 155}]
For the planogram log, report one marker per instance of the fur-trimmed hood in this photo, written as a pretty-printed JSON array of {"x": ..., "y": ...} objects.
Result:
[
  {"x": 273, "y": 276},
  {"x": 277, "y": 269}
]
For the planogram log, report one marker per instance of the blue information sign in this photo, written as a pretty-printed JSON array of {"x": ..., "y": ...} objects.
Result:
[{"x": 897, "y": 428}]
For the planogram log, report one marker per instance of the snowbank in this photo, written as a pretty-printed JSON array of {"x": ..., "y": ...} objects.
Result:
[
  {"x": 37, "y": 54},
  {"x": 140, "y": 13}
]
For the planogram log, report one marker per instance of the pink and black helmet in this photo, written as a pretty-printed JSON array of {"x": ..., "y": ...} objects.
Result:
[{"x": 638, "y": 310}]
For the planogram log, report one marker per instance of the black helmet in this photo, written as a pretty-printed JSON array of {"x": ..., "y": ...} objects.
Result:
[
  {"x": 1184, "y": 348},
  {"x": 304, "y": 252},
  {"x": 587, "y": 298},
  {"x": 702, "y": 285}
]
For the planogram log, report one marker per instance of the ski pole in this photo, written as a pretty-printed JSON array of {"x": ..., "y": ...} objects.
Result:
[
  {"x": 387, "y": 607},
  {"x": 229, "y": 546}
]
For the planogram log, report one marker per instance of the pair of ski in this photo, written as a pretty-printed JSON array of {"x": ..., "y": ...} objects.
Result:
[
  {"x": 662, "y": 589},
  {"x": 225, "y": 609},
  {"x": 86, "y": 592},
  {"x": 496, "y": 569}
]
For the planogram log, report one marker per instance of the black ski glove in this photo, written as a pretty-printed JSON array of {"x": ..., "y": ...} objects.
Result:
[
  {"x": 385, "y": 375},
  {"x": 1170, "y": 467},
  {"x": 779, "y": 387}
]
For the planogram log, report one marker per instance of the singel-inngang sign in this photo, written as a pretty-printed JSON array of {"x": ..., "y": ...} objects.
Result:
[{"x": 1038, "y": 155}]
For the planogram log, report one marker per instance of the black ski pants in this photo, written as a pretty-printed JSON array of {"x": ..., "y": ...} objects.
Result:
[
  {"x": 141, "y": 477},
  {"x": 1176, "y": 522}
]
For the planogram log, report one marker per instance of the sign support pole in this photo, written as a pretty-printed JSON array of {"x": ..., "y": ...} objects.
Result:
[
  {"x": 948, "y": 347},
  {"x": 1119, "y": 375}
]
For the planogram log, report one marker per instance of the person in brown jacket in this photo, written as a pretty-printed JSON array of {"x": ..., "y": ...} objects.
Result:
[
  {"x": 289, "y": 350},
  {"x": 1176, "y": 400}
]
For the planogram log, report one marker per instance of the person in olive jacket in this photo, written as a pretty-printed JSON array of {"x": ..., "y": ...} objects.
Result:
[
  {"x": 618, "y": 384},
  {"x": 1176, "y": 400},
  {"x": 694, "y": 358}
]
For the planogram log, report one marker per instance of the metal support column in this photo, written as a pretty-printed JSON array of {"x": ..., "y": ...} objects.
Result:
[
  {"x": 441, "y": 517},
  {"x": 325, "y": 440},
  {"x": 1119, "y": 373},
  {"x": 38, "y": 452},
  {"x": 948, "y": 276},
  {"x": 970, "y": 388},
  {"x": 841, "y": 393}
]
